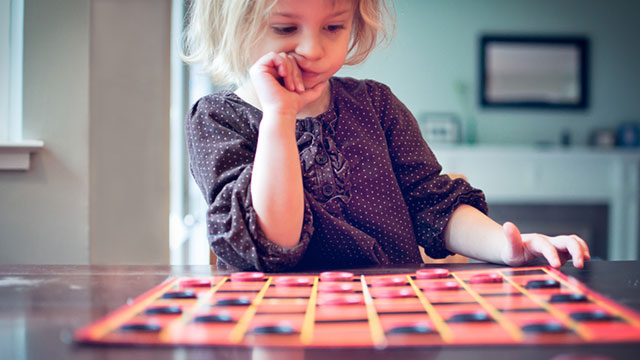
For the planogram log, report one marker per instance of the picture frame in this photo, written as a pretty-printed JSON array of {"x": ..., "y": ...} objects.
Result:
[
  {"x": 531, "y": 71},
  {"x": 440, "y": 127}
]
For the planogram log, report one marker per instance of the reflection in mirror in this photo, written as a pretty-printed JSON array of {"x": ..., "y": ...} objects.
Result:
[{"x": 533, "y": 72}]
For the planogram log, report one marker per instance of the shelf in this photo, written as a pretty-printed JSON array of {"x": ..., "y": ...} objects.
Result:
[{"x": 15, "y": 155}]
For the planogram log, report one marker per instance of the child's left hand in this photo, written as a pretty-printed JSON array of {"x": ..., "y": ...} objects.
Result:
[{"x": 522, "y": 249}]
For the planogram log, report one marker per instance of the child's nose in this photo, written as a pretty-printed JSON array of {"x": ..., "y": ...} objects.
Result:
[{"x": 310, "y": 47}]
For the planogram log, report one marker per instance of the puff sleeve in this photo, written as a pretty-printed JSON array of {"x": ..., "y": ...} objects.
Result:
[{"x": 221, "y": 137}]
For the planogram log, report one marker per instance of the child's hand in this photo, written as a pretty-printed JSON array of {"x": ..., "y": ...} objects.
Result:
[
  {"x": 278, "y": 83},
  {"x": 522, "y": 249}
]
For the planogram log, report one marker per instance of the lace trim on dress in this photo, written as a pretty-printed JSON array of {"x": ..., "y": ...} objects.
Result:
[{"x": 325, "y": 170}]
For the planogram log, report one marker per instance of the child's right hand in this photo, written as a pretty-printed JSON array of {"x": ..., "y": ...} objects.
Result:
[{"x": 278, "y": 84}]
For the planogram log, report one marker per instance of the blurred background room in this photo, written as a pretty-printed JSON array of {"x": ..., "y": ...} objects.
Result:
[{"x": 535, "y": 102}]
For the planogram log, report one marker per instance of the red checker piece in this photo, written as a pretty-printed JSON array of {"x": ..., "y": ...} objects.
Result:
[
  {"x": 336, "y": 276},
  {"x": 293, "y": 281},
  {"x": 195, "y": 283},
  {"x": 486, "y": 278},
  {"x": 442, "y": 285},
  {"x": 341, "y": 300},
  {"x": 432, "y": 273},
  {"x": 393, "y": 293},
  {"x": 335, "y": 287},
  {"x": 247, "y": 276},
  {"x": 389, "y": 281}
]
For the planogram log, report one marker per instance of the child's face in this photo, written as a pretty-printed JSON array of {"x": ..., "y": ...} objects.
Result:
[{"x": 315, "y": 32}]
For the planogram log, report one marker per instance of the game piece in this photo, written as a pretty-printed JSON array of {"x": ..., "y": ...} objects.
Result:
[
  {"x": 489, "y": 278},
  {"x": 474, "y": 317},
  {"x": 247, "y": 276},
  {"x": 389, "y": 281},
  {"x": 242, "y": 301},
  {"x": 438, "y": 307},
  {"x": 410, "y": 328},
  {"x": 163, "y": 310},
  {"x": 596, "y": 315},
  {"x": 545, "y": 327},
  {"x": 294, "y": 281},
  {"x": 179, "y": 295},
  {"x": 392, "y": 293},
  {"x": 336, "y": 276},
  {"x": 341, "y": 300},
  {"x": 141, "y": 327},
  {"x": 335, "y": 287},
  {"x": 542, "y": 284},
  {"x": 196, "y": 283},
  {"x": 222, "y": 317},
  {"x": 432, "y": 274},
  {"x": 442, "y": 285},
  {"x": 281, "y": 329},
  {"x": 568, "y": 298}
]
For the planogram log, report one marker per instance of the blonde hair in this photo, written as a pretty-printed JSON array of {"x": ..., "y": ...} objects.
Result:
[{"x": 220, "y": 32}]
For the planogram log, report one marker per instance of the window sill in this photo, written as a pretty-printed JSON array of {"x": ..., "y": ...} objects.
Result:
[{"x": 14, "y": 155}]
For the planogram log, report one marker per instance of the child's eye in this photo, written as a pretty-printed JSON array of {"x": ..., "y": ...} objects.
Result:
[
  {"x": 335, "y": 28},
  {"x": 284, "y": 30}
]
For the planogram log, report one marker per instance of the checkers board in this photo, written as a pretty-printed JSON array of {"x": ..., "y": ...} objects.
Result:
[{"x": 431, "y": 307}]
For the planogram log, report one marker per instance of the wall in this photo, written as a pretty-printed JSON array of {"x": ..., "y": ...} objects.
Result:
[
  {"x": 44, "y": 214},
  {"x": 129, "y": 140},
  {"x": 96, "y": 91},
  {"x": 436, "y": 45}
]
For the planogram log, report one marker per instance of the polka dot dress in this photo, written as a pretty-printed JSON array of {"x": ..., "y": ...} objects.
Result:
[{"x": 373, "y": 188}]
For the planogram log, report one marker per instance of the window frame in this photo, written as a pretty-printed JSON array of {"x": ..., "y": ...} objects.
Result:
[{"x": 14, "y": 149}]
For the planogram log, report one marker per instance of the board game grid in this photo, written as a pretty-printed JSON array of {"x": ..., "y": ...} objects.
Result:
[{"x": 432, "y": 307}]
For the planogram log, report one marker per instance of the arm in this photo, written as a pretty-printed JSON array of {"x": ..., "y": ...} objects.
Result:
[
  {"x": 221, "y": 138},
  {"x": 276, "y": 182},
  {"x": 471, "y": 233},
  {"x": 431, "y": 197}
]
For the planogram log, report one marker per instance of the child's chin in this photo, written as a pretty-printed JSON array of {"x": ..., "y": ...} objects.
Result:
[{"x": 310, "y": 84}]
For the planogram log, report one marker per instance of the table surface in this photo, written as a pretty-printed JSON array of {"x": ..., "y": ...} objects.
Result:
[{"x": 41, "y": 306}]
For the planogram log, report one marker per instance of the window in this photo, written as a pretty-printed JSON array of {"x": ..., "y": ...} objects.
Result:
[
  {"x": 11, "y": 13},
  {"x": 14, "y": 150},
  {"x": 188, "y": 233}
]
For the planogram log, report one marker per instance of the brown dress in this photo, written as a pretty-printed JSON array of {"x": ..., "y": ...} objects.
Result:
[{"x": 373, "y": 188}]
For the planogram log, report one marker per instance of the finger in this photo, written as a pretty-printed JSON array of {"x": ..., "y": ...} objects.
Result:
[
  {"x": 569, "y": 247},
  {"x": 268, "y": 64},
  {"x": 513, "y": 252},
  {"x": 540, "y": 245},
  {"x": 297, "y": 74},
  {"x": 570, "y": 244},
  {"x": 312, "y": 94},
  {"x": 286, "y": 73},
  {"x": 281, "y": 66},
  {"x": 584, "y": 246}
]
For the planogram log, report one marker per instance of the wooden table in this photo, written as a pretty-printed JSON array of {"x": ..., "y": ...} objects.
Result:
[{"x": 41, "y": 305}]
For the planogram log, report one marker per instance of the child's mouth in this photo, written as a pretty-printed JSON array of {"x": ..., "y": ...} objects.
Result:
[{"x": 309, "y": 75}]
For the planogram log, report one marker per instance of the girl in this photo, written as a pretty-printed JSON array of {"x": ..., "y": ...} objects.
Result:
[{"x": 305, "y": 170}]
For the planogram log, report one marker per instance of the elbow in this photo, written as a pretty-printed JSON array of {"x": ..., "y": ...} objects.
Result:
[{"x": 284, "y": 237}]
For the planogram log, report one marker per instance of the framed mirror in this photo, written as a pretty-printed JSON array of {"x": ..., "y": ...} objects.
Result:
[{"x": 534, "y": 72}]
